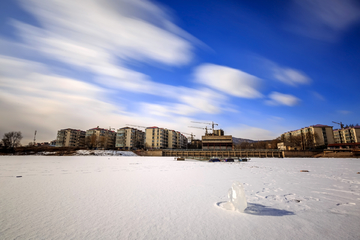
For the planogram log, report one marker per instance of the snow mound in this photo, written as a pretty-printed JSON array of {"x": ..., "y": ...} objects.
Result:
[
  {"x": 105, "y": 153},
  {"x": 237, "y": 199}
]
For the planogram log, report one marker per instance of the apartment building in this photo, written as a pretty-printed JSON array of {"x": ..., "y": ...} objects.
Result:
[
  {"x": 100, "y": 138},
  {"x": 164, "y": 138},
  {"x": 173, "y": 137},
  {"x": 182, "y": 141},
  {"x": 128, "y": 138},
  {"x": 347, "y": 135},
  {"x": 70, "y": 138},
  {"x": 309, "y": 137}
]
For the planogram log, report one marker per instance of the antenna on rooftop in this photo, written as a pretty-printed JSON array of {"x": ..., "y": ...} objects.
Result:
[{"x": 35, "y": 137}]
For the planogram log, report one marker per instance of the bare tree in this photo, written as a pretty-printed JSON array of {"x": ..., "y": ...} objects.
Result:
[
  {"x": 274, "y": 142},
  {"x": 296, "y": 140},
  {"x": 11, "y": 140},
  {"x": 91, "y": 141},
  {"x": 101, "y": 142},
  {"x": 309, "y": 140}
]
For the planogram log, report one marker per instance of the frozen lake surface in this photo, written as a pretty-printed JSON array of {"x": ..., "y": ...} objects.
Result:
[{"x": 116, "y": 197}]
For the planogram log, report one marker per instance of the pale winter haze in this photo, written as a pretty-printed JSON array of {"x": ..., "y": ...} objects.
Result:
[
  {"x": 119, "y": 197},
  {"x": 257, "y": 68}
]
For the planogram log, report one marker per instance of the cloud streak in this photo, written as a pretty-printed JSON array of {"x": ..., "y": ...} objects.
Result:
[
  {"x": 290, "y": 76},
  {"x": 33, "y": 98},
  {"x": 324, "y": 19},
  {"x": 228, "y": 80},
  {"x": 277, "y": 98},
  {"x": 106, "y": 27}
]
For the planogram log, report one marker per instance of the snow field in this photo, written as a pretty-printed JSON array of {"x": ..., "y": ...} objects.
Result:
[{"x": 117, "y": 197}]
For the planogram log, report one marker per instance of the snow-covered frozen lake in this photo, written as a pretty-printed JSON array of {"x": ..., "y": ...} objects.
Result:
[{"x": 116, "y": 197}]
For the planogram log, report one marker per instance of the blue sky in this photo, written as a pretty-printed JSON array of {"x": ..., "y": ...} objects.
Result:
[{"x": 257, "y": 68}]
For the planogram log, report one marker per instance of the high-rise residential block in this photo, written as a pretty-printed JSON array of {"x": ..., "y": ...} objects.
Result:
[
  {"x": 128, "y": 138},
  {"x": 100, "y": 138},
  {"x": 347, "y": 135},
  {"x": 160, "y": 138},
  {"x": 309, "y": 137},
  {"x": 70, "y": 138}
]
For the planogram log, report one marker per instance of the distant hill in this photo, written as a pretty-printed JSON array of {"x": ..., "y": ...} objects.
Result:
[{"x": 241, "y": 140}]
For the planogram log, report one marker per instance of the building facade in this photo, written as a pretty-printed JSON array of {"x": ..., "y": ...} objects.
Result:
[
  {"x": 218, "y": 132},
  {"x": 309, "y": 137},
  {"x": 128, "y": 138},
  {"x": 347, "y": 135},
  {"x": 100, "y": 138},
  {"x": 161, "y": 138},
  {"x": 217, "y": 142},
  {"x": 70, "y": 138}
]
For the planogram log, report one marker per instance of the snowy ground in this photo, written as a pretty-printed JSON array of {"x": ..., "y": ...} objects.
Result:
[{"x": 90, "y": 197}]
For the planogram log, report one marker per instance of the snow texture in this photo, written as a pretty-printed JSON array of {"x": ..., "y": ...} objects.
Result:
[{"x": 113, "y": 197}]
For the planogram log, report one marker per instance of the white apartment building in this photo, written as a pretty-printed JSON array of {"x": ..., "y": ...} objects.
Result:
[
  {"x": 160, "y": 138},
  {"x": 347, "y": 135},
  {"x": 128, "y": 138},
  {"x": 309, "y": 137},
  {"x": 100, "y": 138},
  {"x": 70, "y": 138}
]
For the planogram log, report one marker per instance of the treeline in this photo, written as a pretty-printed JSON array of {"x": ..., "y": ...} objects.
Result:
[
  {"x": 351, "y": 125},
  {"x": 269, "y": 144},
  {"x": 10, "y": 144}
]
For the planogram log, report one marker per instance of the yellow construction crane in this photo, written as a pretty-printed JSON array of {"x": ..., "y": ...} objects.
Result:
[
  {"x": 135, "y": 126},
  {"x": 212, "y": 125},
  {"x": 340, "y": 123},
  {"x": 190, "y": 134},
  {"x": 206, "y": 129}
]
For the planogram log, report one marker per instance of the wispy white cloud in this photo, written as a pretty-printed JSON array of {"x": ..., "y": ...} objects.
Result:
[
  {"x": 318, "y": 96},
  {"x": 126, "y": 29},
  {"x": 344, "y": 112},
  {"x": 277, "y": 98},
  {"x": 284, "y": 74},
  {"x": 253, "y": 133},
  {"x": 290, "y": 76},
  {"x": 228, "y": 80},
  {"x": 35, "y": 99},
  {"x": 324, "y": 19},
  {"x": 101, "y": 40},
  {"x": 32, "y": 98},
  {"x": 187, "y": 102},
  {"x": 106, "y": 37}
]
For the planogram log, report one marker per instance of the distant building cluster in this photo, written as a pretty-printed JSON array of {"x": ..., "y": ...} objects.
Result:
[
  {"x": 316, "y": 136},
  {"x": 126, "y": 138}
]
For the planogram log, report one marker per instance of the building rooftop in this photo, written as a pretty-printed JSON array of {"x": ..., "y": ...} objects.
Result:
[
  {"x": 97, "y": 128},
  {"x": 319, "y": 125},
  {"x": 316, "y": 125},
  {"x": 71, "y": 129},
  {"x": 355, "y": 127}
]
